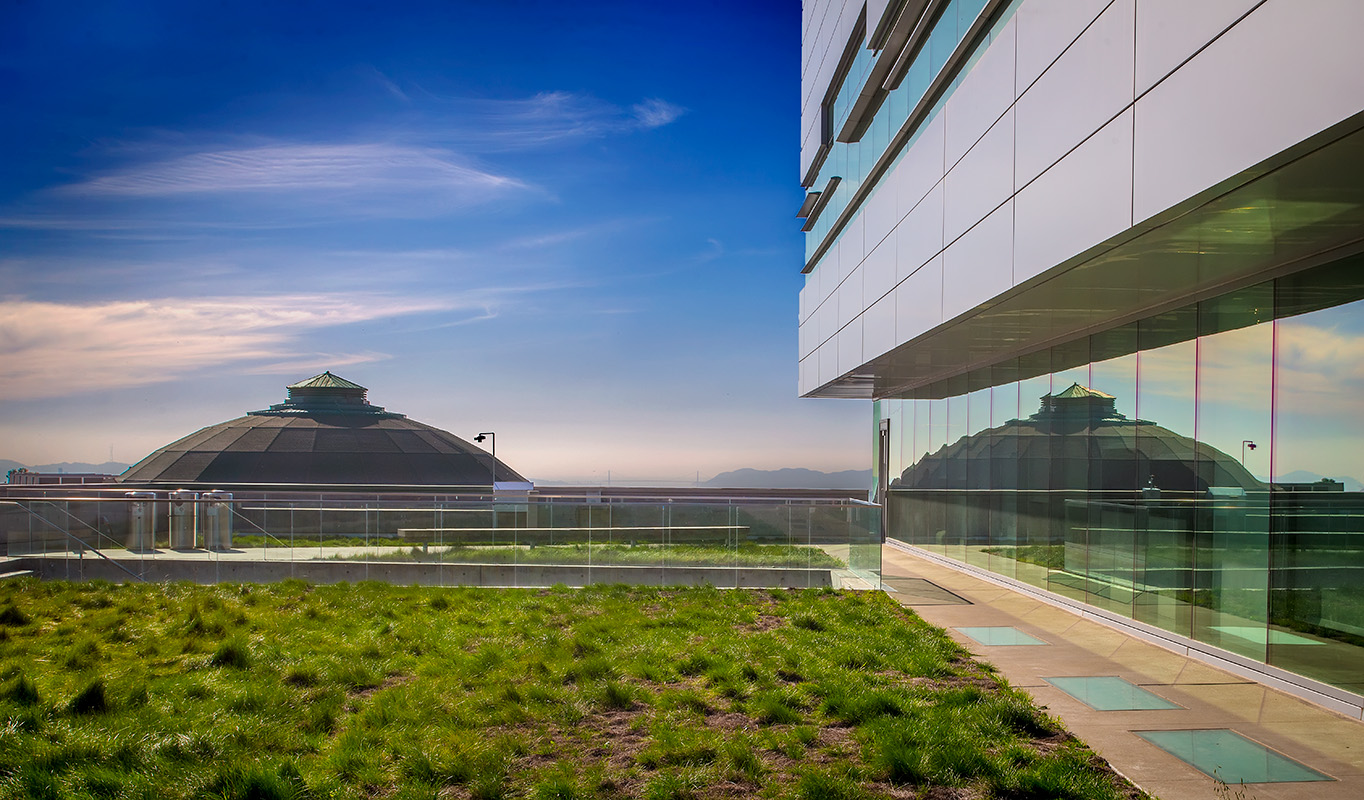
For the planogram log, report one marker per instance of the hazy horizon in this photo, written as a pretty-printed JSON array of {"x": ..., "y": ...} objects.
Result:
[{"x": 572, "y": 226}]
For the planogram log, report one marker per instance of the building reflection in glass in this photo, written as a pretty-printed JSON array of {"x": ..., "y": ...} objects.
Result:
[{"x": 1134, "y": 487}]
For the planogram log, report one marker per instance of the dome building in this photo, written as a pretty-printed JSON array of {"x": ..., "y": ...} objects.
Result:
[
  {"x": 1078, "y": 440},
  {"x": 325, "y": 432}
]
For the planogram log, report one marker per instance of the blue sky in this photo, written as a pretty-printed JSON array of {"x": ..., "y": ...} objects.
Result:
[{"x": 570, "y": 224}]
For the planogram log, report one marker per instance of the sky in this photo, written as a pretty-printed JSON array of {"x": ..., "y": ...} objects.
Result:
[{"x": 570, "y": 224}]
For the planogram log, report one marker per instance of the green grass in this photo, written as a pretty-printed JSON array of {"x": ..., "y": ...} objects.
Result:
[
  {"x": 1051, "y": 556},
  {"x": 298, "y": 691}
]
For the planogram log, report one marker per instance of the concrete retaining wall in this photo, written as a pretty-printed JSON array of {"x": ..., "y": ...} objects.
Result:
[{"x": 232, "y": 571}]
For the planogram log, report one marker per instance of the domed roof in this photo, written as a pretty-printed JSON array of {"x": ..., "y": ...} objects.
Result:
[
  {"x": 326, "y": 432},
  {"x": 1078, "y": 440}
]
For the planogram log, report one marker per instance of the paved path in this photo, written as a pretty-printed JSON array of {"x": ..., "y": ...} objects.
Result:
[{"x": 1210, "y": 698}]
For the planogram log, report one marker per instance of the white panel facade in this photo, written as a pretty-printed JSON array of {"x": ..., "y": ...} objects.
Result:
[
  {"x": 809, "y": 374},
  {"x": 1169, "y": 32},
  {"x": 919, "y": 237},
  {"x": 850, "y": 297},
  {"x": 820, "y": 63},
  {"x": 826, "y": 322},
  {"x": 878, "y": 273},
  {"x": 880, "y": 215},
  {"x": 1100, "y": 171},
  {"x": 1086, "y": 87},
  {"x": 980, "y": 181},
  {"x": 1044, "y": 150},
  {"x": 918, "y": 301},
  {"x": 1046, "y": 28},
  {"x": 878, "y": 328},
  {"x": 828, "y": 361},
  {"x": 982, "y": 98},
  {"x": 850, "y": 347},
  {"x": 920, "y": 168},
  {"x": 852, "y": 244},
  {"x": 979, "y": 265},
  {"x": 1264, "y": 85}
]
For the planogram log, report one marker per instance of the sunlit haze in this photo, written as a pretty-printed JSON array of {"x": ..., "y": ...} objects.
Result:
[{"x": 571, "y": 225}]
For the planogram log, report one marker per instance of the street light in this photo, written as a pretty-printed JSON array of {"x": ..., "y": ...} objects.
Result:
[
  {"x": 1244, "y": 444},
  {"x": 479, "y": 438}
]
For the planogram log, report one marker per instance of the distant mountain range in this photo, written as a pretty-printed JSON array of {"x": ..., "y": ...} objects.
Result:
[
  {"x": 107, "y": 468},
  {"x": 735, "y": 479},
  {"x": 1303, "y": 476},
  {"x": 791, "y": 479}
]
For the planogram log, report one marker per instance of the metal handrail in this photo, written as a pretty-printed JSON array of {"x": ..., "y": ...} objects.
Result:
[{"x": 81, "y": 544}]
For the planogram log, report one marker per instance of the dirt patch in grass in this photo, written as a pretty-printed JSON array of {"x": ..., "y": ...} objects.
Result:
[
  {"x": 767, "y": 622},
  {"x": 388, "y": 682}
]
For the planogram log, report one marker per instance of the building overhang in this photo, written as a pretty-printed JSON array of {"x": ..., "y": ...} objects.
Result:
[{"x": 1296, "y": 210}]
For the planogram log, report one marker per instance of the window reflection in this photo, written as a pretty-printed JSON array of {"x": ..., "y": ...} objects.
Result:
[{"x": 1198, "y": 471}]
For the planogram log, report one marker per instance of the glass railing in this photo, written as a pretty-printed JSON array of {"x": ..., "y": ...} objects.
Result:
[
  {"x": 446, "y": 540},
  {"x": 1277, "y": 577}
]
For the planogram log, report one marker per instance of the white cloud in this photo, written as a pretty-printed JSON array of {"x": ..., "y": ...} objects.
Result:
[
  {"x": 300, "y": 167},
  {"x": 655, "y": 113},
  {"x": 548, "y": 118},
  {"x": 50, "y": 349}
]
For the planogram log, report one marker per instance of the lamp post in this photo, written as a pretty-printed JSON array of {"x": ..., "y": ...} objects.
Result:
[
  {"x": 1244, "y": 444},
  {"x": 490, "y": 435}
]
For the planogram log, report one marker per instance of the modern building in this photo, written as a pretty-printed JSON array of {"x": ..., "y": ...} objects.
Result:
[
  {"x": 1148, "y": 217},
  {"x": 325, "y": 433}
]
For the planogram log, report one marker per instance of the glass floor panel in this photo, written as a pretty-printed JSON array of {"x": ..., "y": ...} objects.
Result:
[
  {"x": 1231, "y": 757},
  {"x": 1000, "y": 636},
  {"x": 1110, "y": 694},
  {"x": 1258, "y": 635}
]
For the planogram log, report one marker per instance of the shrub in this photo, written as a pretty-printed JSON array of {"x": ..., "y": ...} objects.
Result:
[
  {"x": 90, "y": 700},
  {"x": 744, "y": 759},
  {"x": 827, "y": 786},
  {"x": 256, "y": 782},
  {"x": 232, "y": 653},
  {"x": 11, "y": 615},
  {"x": 558, "y": 787},
  {"x": 617, "y": 696},
  {"x": 22, "y": 691},
  {"x": 301, "y": 675},
  {"x": 671, "y": 786},
  {"x": 771, "y": 709}
]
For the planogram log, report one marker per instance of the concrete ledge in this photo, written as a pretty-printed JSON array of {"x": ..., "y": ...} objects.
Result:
[
  {"x": 163, "y": 569},
  {"x": 1336, "y": 699}
]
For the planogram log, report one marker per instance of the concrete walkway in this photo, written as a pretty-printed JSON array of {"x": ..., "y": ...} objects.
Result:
[{"x": 1210, "y": 698}]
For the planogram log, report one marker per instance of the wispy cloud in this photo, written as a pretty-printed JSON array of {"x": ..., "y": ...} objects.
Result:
[
  {"x": 50, "y": 349},
  {"x": 388, "y": 85},
  {"x": 655, "y": 113},
  {"x": 544, "y": 119},
  {"x": 299, "y": 167}
]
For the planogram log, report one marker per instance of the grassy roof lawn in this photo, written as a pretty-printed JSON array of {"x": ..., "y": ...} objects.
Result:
[{"x": 292, "y": 690}]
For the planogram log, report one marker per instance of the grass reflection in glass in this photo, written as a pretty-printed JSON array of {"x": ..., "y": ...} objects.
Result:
[{"x": 621, "y": 554}]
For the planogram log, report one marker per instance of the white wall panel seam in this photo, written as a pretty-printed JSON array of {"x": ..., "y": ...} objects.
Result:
[
  {"x": 838, "y": 37},
  {"x": 1088, "y": 136},
  {"x": 1192, "y": 55},
  {"x": 1013, "y": 212},
  {"x": 947, "y": 110},
  {"x": 1019, "y": 92}
]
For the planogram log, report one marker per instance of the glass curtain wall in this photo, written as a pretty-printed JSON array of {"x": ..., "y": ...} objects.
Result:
[{"x": 1198, "y": 470}]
